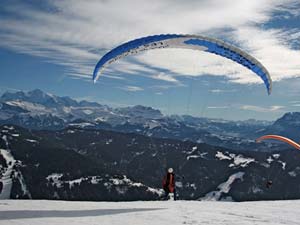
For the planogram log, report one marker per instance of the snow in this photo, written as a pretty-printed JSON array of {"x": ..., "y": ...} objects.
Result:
[
  {"x": 76, "y": 181},
  {"x": 66, "y": 109},
  {"x": 88, "y": 111},
  {"x": 283, "y": 164},
  {"x": 238, "y": 160},
  {"x": 31, "y": 140},
  {"x": 270, "y": 160},
  {"x": 152, "y": 124},
  {"x": 6, "y": 176},
  {"x": 42, "y": 212},
  {"x": 292, "y": 173},
  {"x": 201, "y": 155},
  {"x": 100, "y": 119},
  {"x": 55, "y": 178},
  {"x": 81, "y": 125},
  {"x": 221, "y": 156},
  {"x": 32, "y": 107},
  {"x": 24, "y": 188},
  {"x": 223, "y": 188},
  {"x": 4, "y": 138},
  {"x": 95, "y": 180},
  {"x": 126, "y": 181},
  {"x": 193, "y": 157},
  {"x": 256, "y": 190},
  {"x": 9, "y": 127},
  {"x": 109, "y": 141}
]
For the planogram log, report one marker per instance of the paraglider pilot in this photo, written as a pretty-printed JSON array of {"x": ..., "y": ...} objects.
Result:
[
  {"x": 169, "y": 183},
  {"x": 269, "y": 184}
]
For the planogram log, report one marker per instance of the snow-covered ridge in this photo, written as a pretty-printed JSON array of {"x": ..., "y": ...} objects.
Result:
[
  {"x": 120, "y": 184},
  {"x": 32, "y": 107},
  {"x": 125, "y": 182},
  {"x": 40, "y": 105},
  {"x": 56, "y": 179}
]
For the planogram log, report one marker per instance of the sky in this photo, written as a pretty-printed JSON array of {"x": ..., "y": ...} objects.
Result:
[{"x": 55, "y": 45}]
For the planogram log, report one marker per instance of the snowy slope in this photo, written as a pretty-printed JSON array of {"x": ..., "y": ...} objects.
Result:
[
  {"x": 223, "y": 188},
  {"x": 143, "y": 213},
  {"x": 6, "y": 176}
]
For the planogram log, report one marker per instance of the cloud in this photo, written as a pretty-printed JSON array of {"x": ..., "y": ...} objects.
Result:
[
  {"x": 132, "y": 88},
  {"x": 5, "y": 89},
  {"x": 165, "y": 77},
  {"x": 161, "y": 87},
  {"x": 221, "y": 91},
  {"x": 294, "y": 102},
  {"x": 217, "y": 107},
  {"x": 75, "y": 34},
  {"x": 273, "y": 108},
  {"x": 271, "y": 46}
]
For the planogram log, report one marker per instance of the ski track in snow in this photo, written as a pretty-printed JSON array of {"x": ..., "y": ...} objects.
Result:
[{"x": 40, "y": 212}]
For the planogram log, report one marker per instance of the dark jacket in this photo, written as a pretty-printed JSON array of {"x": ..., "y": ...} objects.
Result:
[{"x": 169, "y": 183}]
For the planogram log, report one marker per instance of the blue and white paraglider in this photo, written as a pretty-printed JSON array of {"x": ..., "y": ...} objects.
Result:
[{"x": 194, "y": 42}]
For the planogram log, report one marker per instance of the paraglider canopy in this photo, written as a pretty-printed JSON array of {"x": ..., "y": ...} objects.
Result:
[
  {"x": 279, "y": 138},
  {"x": 194, "y": 42}
]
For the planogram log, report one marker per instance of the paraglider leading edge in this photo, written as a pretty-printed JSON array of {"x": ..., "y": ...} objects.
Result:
[{"x": 194, "y": 42}]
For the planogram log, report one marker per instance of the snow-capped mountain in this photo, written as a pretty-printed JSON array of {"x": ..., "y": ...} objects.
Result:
[
  {"x": 39, "y": 110},
  {"x": 288, "y": 125}
]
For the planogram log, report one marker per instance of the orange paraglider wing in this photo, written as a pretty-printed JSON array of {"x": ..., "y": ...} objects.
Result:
[{"x": 280, "y": 138}]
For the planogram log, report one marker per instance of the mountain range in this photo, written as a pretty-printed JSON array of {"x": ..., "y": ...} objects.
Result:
[
  {"x": 41, "y": 111},
  {"x": 58, "y": 148}
]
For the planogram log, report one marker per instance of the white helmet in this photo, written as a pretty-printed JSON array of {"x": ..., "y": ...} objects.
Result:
[{"x": 170, "y": 170}]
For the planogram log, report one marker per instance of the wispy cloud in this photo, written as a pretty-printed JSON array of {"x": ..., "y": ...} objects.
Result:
[
  {"x": 4, "y": 89},
  {"x": 273, "y": 108},
  {"x": 221, "y": 91},
  {"x": 272, "y": 48},
  {"x": 161, "y": 87},
  {"x": 294, "y": 103},
  {"x": 76, "y": 34},
  {"x": 217, "y": 107},
  {"x": 131, "y": 88},
  {"x": 165, "y": 77}
]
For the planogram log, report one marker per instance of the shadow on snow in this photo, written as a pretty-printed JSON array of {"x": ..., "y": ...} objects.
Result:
[{"x": 26, "y": 214}]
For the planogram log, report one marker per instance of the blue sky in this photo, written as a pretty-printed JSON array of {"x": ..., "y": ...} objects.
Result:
[{"x": 54, "y": 46}]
